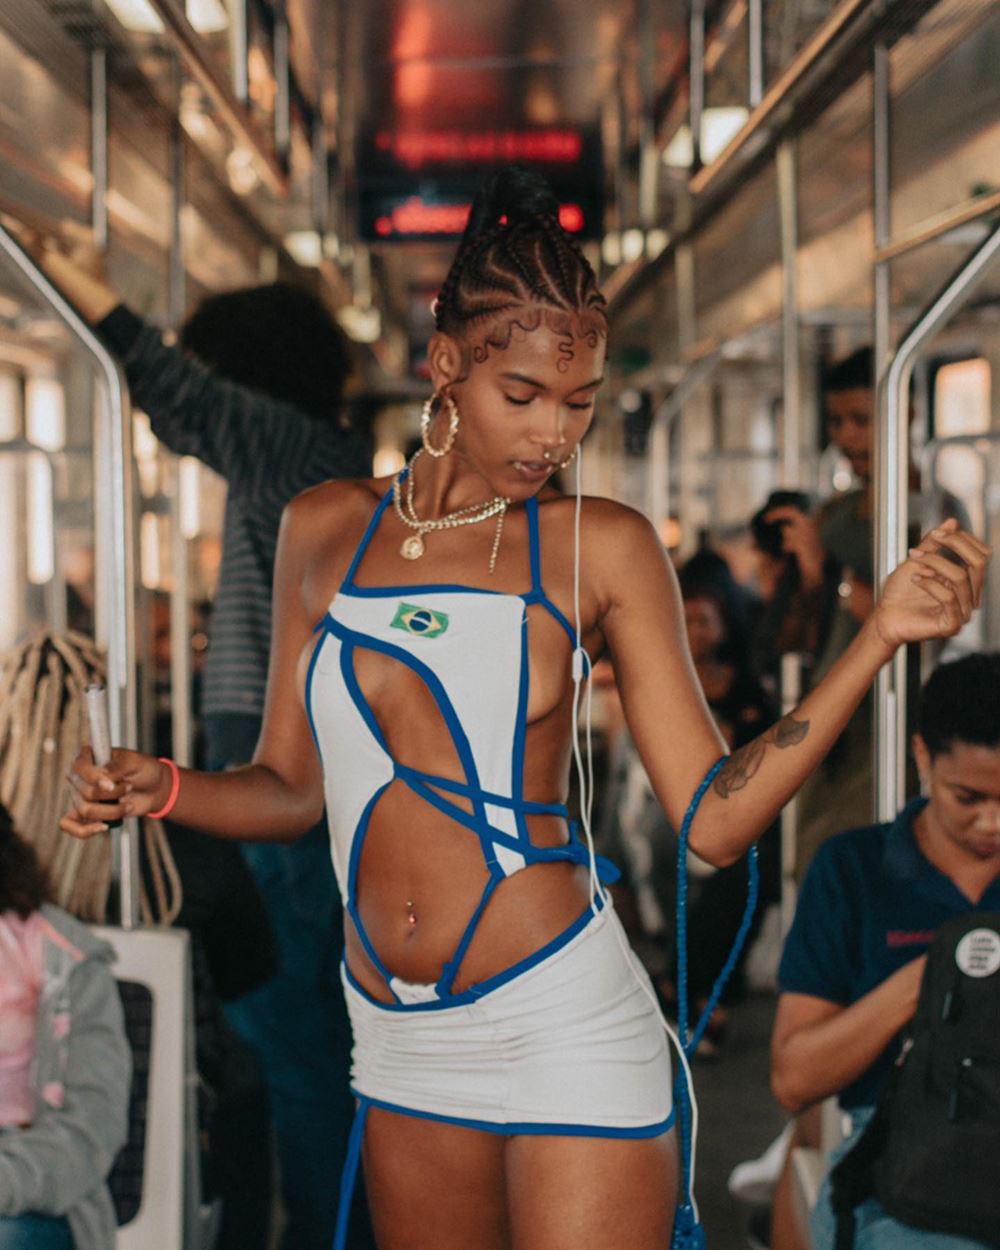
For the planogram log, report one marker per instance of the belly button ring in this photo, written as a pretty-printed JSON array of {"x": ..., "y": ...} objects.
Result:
[{"x": 411, "y": 918}]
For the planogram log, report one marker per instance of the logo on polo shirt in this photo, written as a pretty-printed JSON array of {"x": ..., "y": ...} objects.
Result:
[
  {"x": 909, "y": 937},
  {"x": 421, "y": 622}
]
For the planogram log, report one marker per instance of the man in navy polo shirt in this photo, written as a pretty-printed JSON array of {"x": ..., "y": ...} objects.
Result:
[{"x": 871, "y": 902}]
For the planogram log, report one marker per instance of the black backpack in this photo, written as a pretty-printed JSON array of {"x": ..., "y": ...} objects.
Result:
[{"x": 931, "y": 1153}]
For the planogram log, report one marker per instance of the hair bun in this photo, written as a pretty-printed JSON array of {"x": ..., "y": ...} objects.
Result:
[{"x": 515, "y": 194}]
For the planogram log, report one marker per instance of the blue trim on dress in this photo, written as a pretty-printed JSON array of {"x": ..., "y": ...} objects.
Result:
[
  {"x": 487, "y": 986},
  {"x": 366, "y": 537},
  {"x": 492, "y": 800},
  {"x": 445, "y": 706},
  {"x": 529, "y": 1129}
]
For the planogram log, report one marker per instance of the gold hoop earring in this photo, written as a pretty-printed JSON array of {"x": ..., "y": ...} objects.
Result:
[{"x": 425, "y": 425}]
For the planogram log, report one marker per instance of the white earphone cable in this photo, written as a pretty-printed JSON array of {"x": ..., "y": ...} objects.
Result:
[{"x": 585, "y": 779}]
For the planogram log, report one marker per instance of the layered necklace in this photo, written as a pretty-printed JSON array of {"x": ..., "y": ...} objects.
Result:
[{"x": 413, "y": 545}]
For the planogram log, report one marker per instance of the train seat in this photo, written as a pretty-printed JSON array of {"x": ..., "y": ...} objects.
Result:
[{"x": 155, "y": 1183}]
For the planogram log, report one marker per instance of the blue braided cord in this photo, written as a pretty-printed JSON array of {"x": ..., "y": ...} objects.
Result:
[
  {"x": 688, "y": 1233},
  {"x": 682, "y": 841},
  {"x": 348, "y": 1176},
  {"x": 753, "y": 872}
]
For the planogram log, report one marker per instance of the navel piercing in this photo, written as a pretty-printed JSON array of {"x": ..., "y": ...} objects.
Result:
[{"x": 411, "y": 918}]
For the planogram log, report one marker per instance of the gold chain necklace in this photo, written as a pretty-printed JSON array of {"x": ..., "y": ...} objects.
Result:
[{"x": 413, "y": 547}]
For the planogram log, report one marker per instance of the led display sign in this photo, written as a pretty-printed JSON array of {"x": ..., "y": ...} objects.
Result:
[{"x": 418, "y": 185}]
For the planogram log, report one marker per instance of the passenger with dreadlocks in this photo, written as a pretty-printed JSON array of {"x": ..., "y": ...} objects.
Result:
[
  {"x": 65, "y": 1066},
  {"x": 431, "y": 633}
]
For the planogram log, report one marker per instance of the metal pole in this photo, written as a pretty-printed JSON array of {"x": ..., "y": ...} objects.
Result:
[
  {"x": 239, "y": 49},
  {"x": 755, "y": 52},
  {"x": 791, "y": 693},
  {"x": 889, "y": 499},
  {"x": 696, "y": 78},
  {"x": 181, "y": 715},
  {"x": 788, "y": 207},
  {"x": 282, "y": 77},
  {"x": 115, "y": 551},
  {"x": 663, "y": 420},
  {"x": 891, "y": 524},
  {"x": 649, "y": 157},
  {"x": 99, "y": 145},
  {"x": 791, "y": 468}
]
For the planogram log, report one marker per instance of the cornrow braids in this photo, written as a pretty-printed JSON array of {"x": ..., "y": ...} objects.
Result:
[
  {"x": 516, "y": 266},
  {"x": 42, "y": 727}
]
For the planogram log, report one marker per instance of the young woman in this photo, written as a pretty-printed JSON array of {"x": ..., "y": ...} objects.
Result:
[
  {"x": 65, "y": 1067},
  {"x": 515, "y": 1080}
]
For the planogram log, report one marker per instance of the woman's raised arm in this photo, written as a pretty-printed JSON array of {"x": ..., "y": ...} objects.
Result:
[
  {"x": 927, "y": 596},
  {"x": 275, "y": 798}
]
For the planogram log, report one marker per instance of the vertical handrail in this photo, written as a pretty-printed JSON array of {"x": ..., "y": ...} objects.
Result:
[
  {"x": 891, "y": 522},
  {"x": 890, "y": 457},
  {"x": 791, "y": 469},
  {"x": 664, "y": 417},
  {"x": 113, "y": 448}
]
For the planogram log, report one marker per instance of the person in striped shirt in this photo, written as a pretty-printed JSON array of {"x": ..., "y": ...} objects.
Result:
[{"x": 255, "y": 393}]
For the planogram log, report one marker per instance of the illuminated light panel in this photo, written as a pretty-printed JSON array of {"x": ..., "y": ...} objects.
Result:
[
  {"x": 305, "y": 247},
  {"x": 388, "y": 460},
  {"x": 138, "y": 16},
  {"x": 414, "y": 150},
  {"x": 149, "y": 551},
  {"x": 45, "y": 413},
  {"x": 208, "y": 17},
  {"x": 10, "y": 405},
  {"x": 633, "y": 245},
  {"x": 189, "y": 503},
  {"x": 363, "y": 325},
  {"x": 414, "y": 76},
  {"x": 41, "y": 538},
  {"x": 415, "y": 217},
  {"x": 718, "y": 127}
]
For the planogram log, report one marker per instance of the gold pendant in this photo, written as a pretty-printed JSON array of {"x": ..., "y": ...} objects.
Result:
[{"x": 412, "y": 548}]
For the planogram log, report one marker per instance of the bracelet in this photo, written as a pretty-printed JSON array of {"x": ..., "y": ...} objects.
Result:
[{"x": 175, "y": 789}]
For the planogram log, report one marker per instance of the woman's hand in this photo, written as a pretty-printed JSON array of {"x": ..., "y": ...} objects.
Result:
[
  {"x": 131, "y": 784},
  {"x": 932, "y": 595}
]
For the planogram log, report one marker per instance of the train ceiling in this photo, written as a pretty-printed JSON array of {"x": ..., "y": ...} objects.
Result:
[{"x": 411, "y": 91}]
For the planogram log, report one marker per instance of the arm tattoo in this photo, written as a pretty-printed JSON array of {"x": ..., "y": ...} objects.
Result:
[{"x": 743, "y": 764}]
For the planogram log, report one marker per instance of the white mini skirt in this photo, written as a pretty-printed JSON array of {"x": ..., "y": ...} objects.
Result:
[{"x": 565, "y": 1042}]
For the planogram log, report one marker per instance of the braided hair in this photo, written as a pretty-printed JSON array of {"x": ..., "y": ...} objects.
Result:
[
  {"x": 43, "y": 724},
  {"x": 517, "y": 266}
]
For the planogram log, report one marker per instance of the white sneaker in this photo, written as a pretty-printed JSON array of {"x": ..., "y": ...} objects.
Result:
[{"x": 754, "y": 1181}]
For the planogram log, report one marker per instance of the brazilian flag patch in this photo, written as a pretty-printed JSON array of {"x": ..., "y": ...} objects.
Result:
[{"x": 421, "y": 622}]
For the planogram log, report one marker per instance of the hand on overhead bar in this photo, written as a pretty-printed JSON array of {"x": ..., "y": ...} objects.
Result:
[{"x": 74, "y": 264}]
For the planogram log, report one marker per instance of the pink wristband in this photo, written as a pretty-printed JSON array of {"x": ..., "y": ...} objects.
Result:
[{"x": 175, "y": 789}]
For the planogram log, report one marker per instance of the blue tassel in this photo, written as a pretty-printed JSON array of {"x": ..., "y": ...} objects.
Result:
[{"x": 688, "y": 1233}]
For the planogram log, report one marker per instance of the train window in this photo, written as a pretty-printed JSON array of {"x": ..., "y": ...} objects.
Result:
[
  {"x": 962, "y": 398},
  {"x": 961, "y": 410}
]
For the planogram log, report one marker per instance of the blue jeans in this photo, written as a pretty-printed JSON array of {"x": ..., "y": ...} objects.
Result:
[
  {"x": 34, "y": 1232},
  {"x": 297, "y": 1022},
  {"x": 874, "y": 1230}
]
